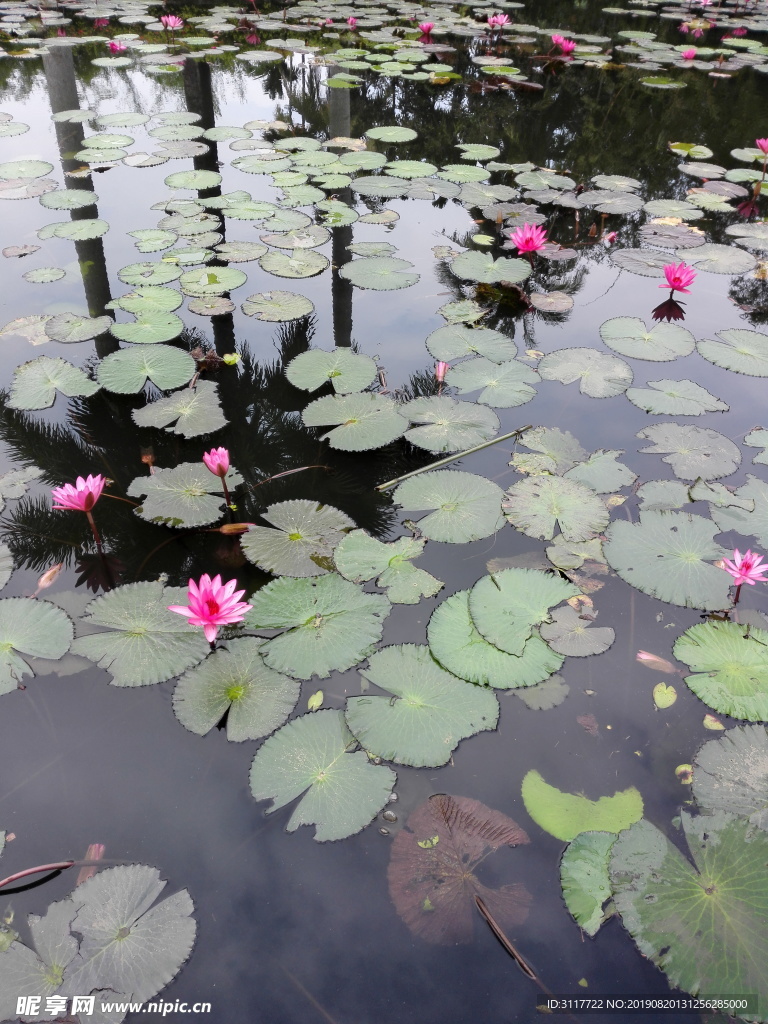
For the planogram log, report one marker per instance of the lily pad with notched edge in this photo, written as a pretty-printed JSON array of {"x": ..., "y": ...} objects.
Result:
[
  {"x": 745, "y": 520},
  {"x": 430, "y": 713},
  {"x": 669, "y": 555},
  {"x": 184, "y": 495},
  {"x": 277, "y": 306},
  {"x": 740, "y": 350},
  {"x": 566, "y": 815},
  {"x": 379, "y": 273},
  {"x": 191, "y": 412},
  {"x": 35, "y": 384},
  {"x": 504, "y": 385},
  {"x": 731, "y": 774},
  {"x": 457, "y": 340},
  {"x": 347, "y": 371},
  {"x": 465, "y": 507},
  {"x": 313, "y": 758},
  {"x": 675, "y": 398},
  {"x": 646, "y": 262},
  {"x": 719, "y": 259},
  {"x": 701, "y": 920},
  {"x": 557, "y": 451},
  {"x": 599, "y": 374},
  {"x": 295, "y": 264},
  {"x": 629, "y": 336},
  {"x": 730, "y": 665},
  {"x": 146, "y": 643},
  {"x": 483, "y": 268},
  {"x": 360, "y": 557},
  {"x": 584, "y": 878},
  {"x": 458, "y": 646},
  {"x": 431, "y": 874},
  {"x": 71, "y": 327},
  {"x": 302, "y": 541},
  {"x": 330, "y": 624},
  {"x": 441, "y": 424},
  {"x": 386, "y": 133},
  {"x": 234, "y": 681},
  {"x": 149, "y": 328},
  {"x": 692, "y": 451},
  {"x": 32, "y": 627},
  {"x": 126, "y": 372},
  {"x": 544, "y": 696},
  {"x": 364, "y": 420},
  {"x": 602, "y": 472},
  {"x": 538, "y": 504},
  {"x": 570, "y": 634}
]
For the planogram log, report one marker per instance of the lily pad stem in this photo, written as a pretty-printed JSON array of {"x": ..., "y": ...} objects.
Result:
[
  {"x": 95, "y": 532},
  {"x": 453, "y": 458}
]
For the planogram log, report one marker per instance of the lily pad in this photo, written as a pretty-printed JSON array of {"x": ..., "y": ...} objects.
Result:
[
  {"x": 296, "y": 263},
  {"x": 538, "y": 505},
  {"x": 676, "y": 208},
  {"x": 44, "y": 275},
  {"x": 602, "y": 472},
  {"x": 465, "y": 507},
  {"x": 347, "y": 371},
  {"x": 507, "y": 605},
  {"x": 277, "y": 306},
  {"x": 740, "y": 350},
  {"x": 13, "y": 169},
  {"x": 645, "y": 262},
  {"x": 184, "y": 495},
  {"x": 312, "y": 758},
  {"x": 730, "y": 665},
  {"x": 330, "y": 624},
  {"x": 584, "y": 878},
  {"x": 380, "y": 273},
  {"x": 719, "y": 259},
  {"x": 302, "y": 541},
  {"x": 193, "y": 179},
  {"x": 360, "y": 557},
  {"x": 146, "y": 643},
  {"x": 364, "y": 420},
  {"x": 629, "y": 336},
  {"x": 566, "y": 815},
  {"x": 675, "y": 398},
  {"x": 212, "y": 281},
  {"x": 504, "y": 385},
  {"x": 234, "y": 681},
  {"x": 35, "y": 384},
  {"x": 668, "y": 555},
  {"x": 149, "y": 274},
  {"x": 483, "y": 268},
  {"x": 570, "y": 634},
  {"x": 70, "y": 327},
  {"x": 32, "y": 627},
  {"x": 456, "y": 340},
  {"x": 599, "y": 375},
  {"x": 126, "y": 372},
  {"x": 445, "y": 425},
  {"x": 387, "y": 133},
  {"x": 191, "y": 412},
  {"x": 149, "y": 328},
  {"x": 430, "y": 711},
  {"x": 692, "y": 451},
  {"x": 731, "y": 774},
  {"x": 458, "y": 646}
]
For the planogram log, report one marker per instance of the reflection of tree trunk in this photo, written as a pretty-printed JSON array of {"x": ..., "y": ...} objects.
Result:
[
  {"x": 341, "y": 289},
  {"x": 62, "y": 91}
]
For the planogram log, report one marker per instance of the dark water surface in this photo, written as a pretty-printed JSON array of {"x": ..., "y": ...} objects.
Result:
[{"x": 290, "y": 930}]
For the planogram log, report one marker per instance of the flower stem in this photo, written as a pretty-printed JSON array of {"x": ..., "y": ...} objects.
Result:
[
  {"x": 737, "y": 595},
  {"x": 59, "y": 866},
  {"x": 95, "y": 532}
]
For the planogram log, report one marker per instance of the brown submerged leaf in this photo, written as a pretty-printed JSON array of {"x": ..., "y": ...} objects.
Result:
[{"x": 431, "y": 878}]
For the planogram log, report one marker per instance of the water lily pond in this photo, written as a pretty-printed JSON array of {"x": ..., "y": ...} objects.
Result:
[{"x": 384, "y": 628}]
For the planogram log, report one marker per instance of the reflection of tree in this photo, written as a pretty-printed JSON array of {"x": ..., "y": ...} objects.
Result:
[{"x": 751, "y": 294}]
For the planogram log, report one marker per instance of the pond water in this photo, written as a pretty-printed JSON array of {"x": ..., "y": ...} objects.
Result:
[{"x": 359, "y": 928}]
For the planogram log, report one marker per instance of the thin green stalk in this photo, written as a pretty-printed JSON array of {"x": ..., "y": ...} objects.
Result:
[{"x": 453, "y": 458}]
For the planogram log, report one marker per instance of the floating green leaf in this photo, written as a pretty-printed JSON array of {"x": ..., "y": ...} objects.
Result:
[
  {"x": 466, "y": 507},
  {"x": 297, "y": 263},
  {"x": 191, "y": 412},
  {"x": 431, "y": 710},
  {"x": 566, "y": 815},
  {"x": 33, "y": 627},
  {"x": 602, "y": 472},
  {"x": 149, "y": 274},
  {"x": 731, "y": 774},
  {"x": 559, "y": 451},
  {"x": 126, "y": 372},
  {"x": 504, "y": 385},
  {"x": 482, "y": 267},
  {"x": 277, "y": 306},
  {"x": 360, "y": 557},
  {"x": 448, "y": 425},
  {"x": 388, "y": 133},
  {"x": 719, "y": 259},
  {"x": 570, "y": 634},
  {"x": 629, "y": 336},
  {"x": 584, "y": 878},
  {"x": 71, "y": 327},
  {"x": 675, "y": 398},
  {"x": 668, "y": 555},
  {"x": 646, "y": 262},
  {"x": 364, "y": 420},
  {"x": 44, "y": 275},
  {"x": 193, "y": 179},
  {"x": 730, "y": 664},
  {"x": 701, "y": 920},
  {"x": 24, "y": 169},
  {"x": 380, "y": 273},
  {"x": 739, "y": 516},
  {"x": 692, "y": 451},
  {"x": 599, "y": 375},
  {"x": 146, "y": 643},
  {"x": 330, "y": 624},
  {"x": 234, "y": 681},
  {"x": 457, "y": 340},
  {"x": 302, "y": 541},
  {"x": 212, "y": 281},
  {"x": 312, "y": 758},
  {"x": 537, "y": 505},
  {"x": 347, "y": 371},
  {"x": 184, "y": 495},
  {"x": 149, "y": 328},
  {"x": 36, "y": 383},
  {"x": 740, "y": 350}
]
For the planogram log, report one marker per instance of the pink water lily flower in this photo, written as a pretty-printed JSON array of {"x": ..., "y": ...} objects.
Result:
[
  {"x": 567, "y": 46},
  {"x": 212, "y": 604},
  {"x": 689, "y": 54},
  {"x": 252, "y": 38},
  {"x": 679, "y": 276},
  {"x": 426, "y": 27},
  {"x": 498, "y": 20},
  {"x": 441, "y": 368},
  {"x": 101, "y": 22},
  {"x": 762, "y": 145},
  {"x": 172, "y": 21},
  {"x": 747, "y": 568},
  {"x": 115, "y": 47},
  {"x": 558, "y": 40},
  {"x": 80, "y": 496},
  {"x": 217, "y": 460},
  {"x": 529, "y": 238},
  {"x": 352, "y": 22}
]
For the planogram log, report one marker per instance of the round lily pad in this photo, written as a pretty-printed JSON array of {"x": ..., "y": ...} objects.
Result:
[
  {"x": 539, "y": 504},
  {"x": 391, "y": 133},
  {"x": 380, "y": 273},
  {"x": 629, "y": 336},
  {"x": 599, "y": 374},
  {"x": 301, "y": 541},
  {"x": 503, "y": 385},
  {"x": 277, "y": 306},
  {"x": 463, "y": 506},
  {"x": 444, "y": 425},
  {"x": 347, "y": 371},
  {"x": 360, "y": 421},
  {"x": 692, "y": 451},
  {"x": 730, "y": 667}
]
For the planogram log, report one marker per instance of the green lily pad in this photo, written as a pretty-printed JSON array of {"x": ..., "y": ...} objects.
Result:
[
  {"x": 757, "y": 438},
  {"x": 740, "y": 350},
  {"x": 191, "y": 412},
  {"x": 149, "y": 328},
  {"x": 675, "y": 398},
  {"x": 465, "y": 507},
  {"x": 504, "y": 385},
  {"x": 126, "y": 372},
  {"x": 193, "y": 179},
  {"x": 277, "y": 306},
  {"x": 410, "y": 168},
  {"x": 146, "y": 643},
  {"x": 731, "y": 774},
  {"x": 236, "y": 682},
  {"x": 387, "y": 133},
  {"x": 668, "y": 555},
  {"x": 302, "y": 541},
  {"x": 477, "y": 151},
  {"x": 602, "y": 472},
  {"x": 81, "y": 230},
  {"x": 507, "y": 605},
  {"x": 297, "y": 263},
  {"x": 330, "y": 624},
  {"x": 599, "y": 375},
  {"x": 35, "y": 384},
  {"x": 730, "y": 665},
  {"x": 13, "y": 169},
  {"x": 430, "y": 711},
  {"x": 240, "y": 252},
  {"x": 380, "y": 273},
  {"x": 153, "y": 239},
  {"x": 566, "y": 815},
  {"x": 312, "y": 758},
  {"x": 347, "y": 371},
  {"x": 184, "y": 495},
  {"x": 645, "y": 262},
  {"x": 537, "y": 505},
  {"x": 360, "y": 557},
  {"x": 364, "y": 420},
  {"x": 692, "y": 451},
  {"x": 465, "y": 311},
  {"x": 557, "y": 451},
  {"x": 298, "y": 238},
  {"x": 456, "y": 340},
  {"x": 629, "y": 336},
  {"x": 483, "y": 268},
  {"x": 543, "y": 696},
  {"x": 140, "y": 274},
  {"x": 458, "y": 646},
  {"x": 70, "y": 327},
  {"x": 68, "y": 199},
  {"x": 719, "y": 259},
  {"x": 148, "y": 298},
  {"x": 445, "y": 425},
  {"x": 32, "y": 627},
  {"x": 584, "y": 878},
  {"x": 700, "y": 917},
  {"x": 746, "y": 511},
  {"x": 212, "y": 281},
  {"x": 676, "y": 208},
  {"x": 570, "y": 634}
]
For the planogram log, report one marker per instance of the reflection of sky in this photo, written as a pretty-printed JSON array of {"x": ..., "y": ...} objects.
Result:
[{"x": 289, "y": 929}]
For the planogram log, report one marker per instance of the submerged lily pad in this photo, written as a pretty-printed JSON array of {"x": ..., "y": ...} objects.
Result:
[
  {"x": 692, "y": 451},
  {"x": 236, "y": 682},
  {"x": 330, "y": 624},
  {"x": 731, "y": 774},
  {"x": 730, "y": 665},
  {"x": 599, "y": 375},
  {"x": 669, "y": 555},
  {"x": 538, "y": 505},
  {"x": 466, "y": 507},
  {"x": 364, "y": 420},
  {"x": 566, "y": 815},
  {"x": 430, "y": 712},
  {"x": 32, "y": 627},
  {"x": 302, "y": 541},
  {"x": 569, "y": 633},
  {"x": 146, "y": 643},
  {"x": 312, "y": 758},
  {"x": 183, "y": 495},
  {"x": 629, "y": 336}
]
